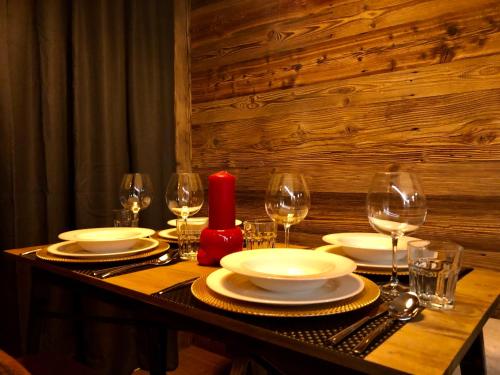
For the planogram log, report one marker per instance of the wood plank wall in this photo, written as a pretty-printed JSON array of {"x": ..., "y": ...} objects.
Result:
[{"x": 340, "y": 89}]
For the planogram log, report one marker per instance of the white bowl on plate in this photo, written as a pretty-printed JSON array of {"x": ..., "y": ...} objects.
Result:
[
  {"x": 197, "y": 222},
  {"x": 106, "y": 239},
  {"x": 368, "y": 246},
  {"x": 287, "y": 270}
]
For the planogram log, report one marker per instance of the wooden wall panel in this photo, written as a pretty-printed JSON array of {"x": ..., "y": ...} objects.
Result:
[
  {"x": 340, "y": 89},
  {"x": 182, "y": 85}
]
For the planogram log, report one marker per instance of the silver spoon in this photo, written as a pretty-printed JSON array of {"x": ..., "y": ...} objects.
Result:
[
  {"x": 112, "y": 271},
  {"x": 403, "y": 307}
]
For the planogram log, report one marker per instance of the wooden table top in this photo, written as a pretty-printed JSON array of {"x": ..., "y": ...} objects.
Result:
[{"x": 434, "y": 344}]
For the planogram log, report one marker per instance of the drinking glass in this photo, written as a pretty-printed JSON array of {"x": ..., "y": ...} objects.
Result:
[
  {"x": 136, "y": 193},
  {"x": 396, "y": 206},
  {"x": 287, "y": 200},
  {"x": 184, "y": 194}
]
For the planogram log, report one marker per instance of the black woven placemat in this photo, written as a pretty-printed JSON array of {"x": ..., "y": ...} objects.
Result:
[{"x": 312, "y": 330}]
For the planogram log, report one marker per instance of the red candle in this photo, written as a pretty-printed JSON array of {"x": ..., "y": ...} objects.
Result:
[
  {"x": 221, "y": 237},
  {"x": 221, "y": 205}
]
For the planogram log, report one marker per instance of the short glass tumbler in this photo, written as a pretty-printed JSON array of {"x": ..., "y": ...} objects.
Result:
[
  {"x": 188, "y": 240},
  {"x": 124, "y": 218},
  {"x": 260, "y": 234},
  {"x": 434, "y": 267}
]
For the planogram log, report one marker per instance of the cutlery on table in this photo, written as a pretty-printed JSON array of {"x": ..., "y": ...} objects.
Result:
[
  {"x": 375, "y": 313},
  {"x": 113, "y": 271},
  {"x": 30, "y": 252},
  {"x": 175, "y": 286},
  {"x": 404, "y": 307}
]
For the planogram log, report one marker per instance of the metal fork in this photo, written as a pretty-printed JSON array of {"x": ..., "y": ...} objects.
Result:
[
  {"x": 30, "y": 251},
  {"x": 175, "y": 286},
  {"x": 113, "y": 271}
]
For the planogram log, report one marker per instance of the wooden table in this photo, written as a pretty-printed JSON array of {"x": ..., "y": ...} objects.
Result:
[{"x": 434, "y": 344}]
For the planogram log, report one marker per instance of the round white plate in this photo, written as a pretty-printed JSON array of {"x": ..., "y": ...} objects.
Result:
[
  {"x": 106, "y": 239},
  {"x": 288, "y": 264},
  {"x": 337, "y": 249},
  {"x": 170, "y": 233},
  {"x": 173, "y": 222},
  {"x": 368, "y": 247},
  {"x": 287, "y": 270},
  {"x": 232, "y": 285},
  {"x": 74, "y": 250}
]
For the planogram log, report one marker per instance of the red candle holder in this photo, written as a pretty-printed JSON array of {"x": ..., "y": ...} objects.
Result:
[{"x": 216, "y": 243}]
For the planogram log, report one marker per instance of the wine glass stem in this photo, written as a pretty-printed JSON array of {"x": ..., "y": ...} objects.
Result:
[
  {"x": 135, "y": 218},
  {"x": 287, "y": 234},
  {"x": 184, "y": 224},
  {"x": 394, "y": 273}
]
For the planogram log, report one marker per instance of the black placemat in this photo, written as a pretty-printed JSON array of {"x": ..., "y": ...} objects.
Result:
[{"x": 312, "y": 330}]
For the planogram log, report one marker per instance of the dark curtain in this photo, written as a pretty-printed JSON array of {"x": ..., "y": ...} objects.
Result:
[{"x": 85, "y": 96}]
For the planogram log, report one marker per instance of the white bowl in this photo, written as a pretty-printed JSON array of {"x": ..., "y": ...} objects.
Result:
[
  {"x": 110, "y": 239},
  {"x": 197, "y": 222},
  {"x": 287, "y": 270},
  {"x": 368, "y": 246}
]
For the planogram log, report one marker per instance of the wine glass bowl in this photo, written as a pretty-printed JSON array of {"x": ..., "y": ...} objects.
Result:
[
  {"x": 396, "y": 206},
  {"x": 136, "y": 193},
  {"x": 184, "y": 194},
  {"x": 287, "y": 200}
]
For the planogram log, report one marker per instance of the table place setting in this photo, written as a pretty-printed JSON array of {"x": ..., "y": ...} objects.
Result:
[
  {"x": 371, "y": 252},
  {"x": 285, "y": 282},
  {"x": 103, "y": 245}
]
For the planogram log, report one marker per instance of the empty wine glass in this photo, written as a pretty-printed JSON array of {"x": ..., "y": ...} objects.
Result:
[
  {"x": 287, "y": 200},
  {"x": 136, "y": 193},
  {"x": 184, "y": 195},
  {"x": 396, "y": 206}
]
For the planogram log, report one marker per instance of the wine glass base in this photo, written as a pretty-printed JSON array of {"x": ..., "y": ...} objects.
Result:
[{"x": 393, "y": 289}]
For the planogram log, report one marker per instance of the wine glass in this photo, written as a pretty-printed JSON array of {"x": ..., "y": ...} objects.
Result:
[
  {"x": 396, "y": 206},
  {"x": 287, "y": 200},
  {"x": 184, "y": 195},
  {"x": 136, "y": 193}
]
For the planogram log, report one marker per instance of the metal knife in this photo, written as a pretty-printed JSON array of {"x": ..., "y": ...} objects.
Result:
[{"x": 339, "y": 336}]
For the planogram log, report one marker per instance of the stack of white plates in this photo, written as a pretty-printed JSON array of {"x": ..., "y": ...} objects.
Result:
[
  {"x": 372, "y": 252},
  {"x": 285, "y": 277},
  {"x": 103, "y": 242},
  {"x": 198, "y": 222}
]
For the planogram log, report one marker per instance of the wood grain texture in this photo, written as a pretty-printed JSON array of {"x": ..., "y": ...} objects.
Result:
[
  {"x": 182, "y": 85},
  {"x": 441, "y": 333},
  {"x": 340, "y": 89}
]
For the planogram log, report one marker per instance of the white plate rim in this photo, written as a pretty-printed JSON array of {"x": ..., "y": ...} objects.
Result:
[
  {"x": 72, "y": 234},
  {"x": 54, "y": 249},
  {"x": 215, "y": 283},
  {"x": 167, "y": 233},
  {"x": 233, "y": 262},
  {"x": 172, "y": 222},
  {"x": 402, "y": 263}
]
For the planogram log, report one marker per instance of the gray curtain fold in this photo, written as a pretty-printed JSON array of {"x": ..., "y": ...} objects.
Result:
[{"x": 85, "y": 96}]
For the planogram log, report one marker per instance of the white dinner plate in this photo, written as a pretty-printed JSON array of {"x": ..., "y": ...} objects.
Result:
[
  {"x": 173, "y": 222},
  {"x": 287, "y": 270},
  {"x": 233, "y": 285},
  {"x": 369, "y": 247},
  {"x": 106, "y": 239},
  {"x": 74, "y": 250},
  {"x": 169, "y": 234},
  {"x": 337, "y": 249}
]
